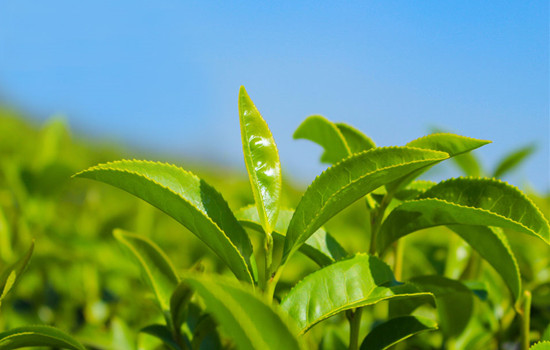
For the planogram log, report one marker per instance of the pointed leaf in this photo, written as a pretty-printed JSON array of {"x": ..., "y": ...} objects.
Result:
[
  {"x": 513, "y": 160},
  {"x": 453, "y": 300},
  {"x": 326, "y": 134},
  {"x": 356, "y": 140},
  {"x": 346, "y": 284},
  {"x": 321, "y": 247},
  {"x": 35, "y": 336},
  {"x": 395, "y": 330},
  {"x": 344, "y": 183},
  {"x": 189, "y": 200},
  {"x": 262, "y": 161},
  {"x": 10, "y": 276},
  {"x": 469, "y": 201},
  {"x": 179, "y": 302},
  {"x": 157, "y": 268},
  {"x": 247, "y": 318},
  {"x": 467, "y": 162}
]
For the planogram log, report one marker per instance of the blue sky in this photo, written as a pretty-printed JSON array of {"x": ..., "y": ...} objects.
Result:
[{"x": 164, "y": 75}]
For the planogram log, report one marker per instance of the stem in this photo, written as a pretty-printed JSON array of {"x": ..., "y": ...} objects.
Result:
[
  {"x": 268, "y": 256},
  {"x": 354, "y": 327},
  {"x": 398, "y": 259},
  {"x": 272, "y": 283},
  {"x": 525, "y": 320},
  {"x": 376, "y": 217}
]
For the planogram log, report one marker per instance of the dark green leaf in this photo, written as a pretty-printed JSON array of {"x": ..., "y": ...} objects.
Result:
[
  {"x": 178, "y": 304},
  {"x": 344, "y": 183},
  {"x": 346, "y": 284},
  {"x": 262, "y": 161},
  {"x": 395, "y": 330},
  {"x": 163, "y": 333},
  {"x": 35, "y": 336},
  {"x": 190, "y": 201}
]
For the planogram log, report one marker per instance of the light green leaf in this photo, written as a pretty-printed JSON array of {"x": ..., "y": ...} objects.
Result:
[
  {"x": 513, "y": 160},
  {"x": 356, "y": 140},
  {"x": 189, "y": 200},
  {"x": 546, "y": 334},
  {"x": 452, "y": 144},
  {"x": 395, "y": 330},
  {"x": 346, "y": 284},
  {"x": 543, "y": 345},
  {"x": 467, "y": 162},
  {"x": 453, "y": 300},
  {"x": 262, "y": 161},
  {"x": 246, "y": 317},
  {"x": 11, "y": 275},
  {"x": 34, "y": 336},
  {"x": 469, "y": 201},
  {"x": 326, "y": 134},
  {"x": 344, "y": 183},
  {"x": 157, "y": 268},
  {"x": 321, "y": 247}
]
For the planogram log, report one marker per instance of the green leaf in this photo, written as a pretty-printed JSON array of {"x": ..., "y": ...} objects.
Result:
[
  {"x": 454, "y": 302},
  {"x": 11, "y": 275},
  {"x": 452, "y": 144},
  {"x": 543, "y": 345},
  {"x": 356, "y": 140},
  {"x": 546, "y": 334},
  {"x": 469, "y": 201},
  {"x": 247, "y": 318},
  {"x": 31, "y": 336},
  {"x": 262, "y": 161},
  {"x": 395, "y": 330},
  {"x": 157, "y": 268},
  {"x": 513, "y": 160},
  {"x": 344, "y": 183},
  {"x": 326, "y": 134},
  {"x": 163, "y": 333},
  {"x": 189, "y": 200},
  {"x": 321, "y": 247},
  {"x": 346, "y": 284},
  {"x": 414, "y": 189},
  {"x": 179, "y": 302},
  {"x": 467, "y": 162}
]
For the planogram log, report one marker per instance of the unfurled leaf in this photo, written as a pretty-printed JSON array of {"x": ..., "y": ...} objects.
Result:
[
  {"x": 321, "y": 247},
  {"x": 513, "y": 160},
  {"x": 262, "y": 161},
  {"x": 190, "y": 201},
  {"x": 395, "y": 330},
  {"x": 157, "y": 268},
  {"x": 344, "y": 183},
  {"x": 346, "y": 284},
  {"x": 326, "y": 134},
  {"x": 543, "y": 345},
  {"x": 356, "y": 140},
  {"x": 245, "y": 316},
  {"x": 453, "y": 300},
  {"x": 37, "y": 336}
]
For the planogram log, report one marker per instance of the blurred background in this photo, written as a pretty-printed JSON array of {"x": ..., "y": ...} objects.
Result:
[{"x": 163, "y": 76}]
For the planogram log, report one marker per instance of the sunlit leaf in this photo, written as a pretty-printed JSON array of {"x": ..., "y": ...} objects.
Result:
[
  {"x": 344, "y": 183},
  {"x": 262, "y": 161},
  {"x": 355, "y": 282},
  {"x": 543, "y": 345},
  {"x": 513, "y": 160},
  {"x": 356, "y": 140},
  {"x": 189, "y": 200}
]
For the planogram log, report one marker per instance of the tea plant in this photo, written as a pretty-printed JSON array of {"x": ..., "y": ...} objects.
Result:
[{"x": 377, "y": 290}]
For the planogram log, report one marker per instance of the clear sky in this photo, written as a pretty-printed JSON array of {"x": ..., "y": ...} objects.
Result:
[{"x": 164, "y": 75}]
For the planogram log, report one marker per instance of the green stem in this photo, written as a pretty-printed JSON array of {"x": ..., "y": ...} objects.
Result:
[
  {"x": 398, "y": 259},
  {"x": 525, "y": 320},
  {"x": 376, "y": 216},
  {"x": 268, "y": 256},
  {"x": 354, "y": 327}
]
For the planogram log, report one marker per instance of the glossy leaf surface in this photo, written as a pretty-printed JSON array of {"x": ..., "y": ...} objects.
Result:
[
  {"x": 190, "y": 201},
  {"x": 37, "y": 336},
  {"x": 247, "y": 318},
  {"x": 468, "y": 201},
  {"x": 395, "y": 330},
  {"x": 344, "y": 183},
  {"x": 326, "y": 134},
  {"x": 346, "y": 284},
  {"x": 262, "y": 161},
  {"x": 155, "y": 265},
  {"x": 321, "y": 247}
]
